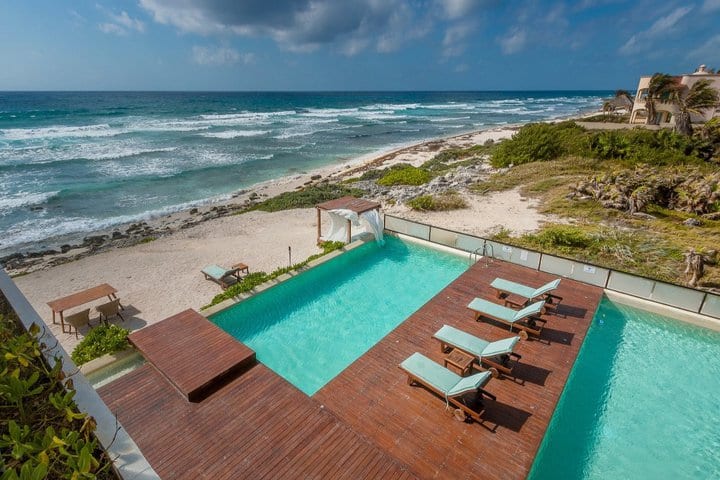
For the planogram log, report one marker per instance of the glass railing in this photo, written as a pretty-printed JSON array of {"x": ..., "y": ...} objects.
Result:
[{"x": 689, "y": 299}]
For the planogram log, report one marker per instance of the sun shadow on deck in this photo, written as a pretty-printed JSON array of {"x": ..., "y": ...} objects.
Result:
[
  {"x": 413, "y": 424},
  {"x": 367, "y": 422}
]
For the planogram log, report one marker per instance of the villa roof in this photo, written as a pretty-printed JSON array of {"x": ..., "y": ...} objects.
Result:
[{"x": 357, "y": 205}]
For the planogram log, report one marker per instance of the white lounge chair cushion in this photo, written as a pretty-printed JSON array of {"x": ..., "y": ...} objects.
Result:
[
  {"x": 440, "y": 378},
  {"x": 523, "y": 290},
  {"x": 218, "y": 273},
  {"x": 475, "y": 345}
]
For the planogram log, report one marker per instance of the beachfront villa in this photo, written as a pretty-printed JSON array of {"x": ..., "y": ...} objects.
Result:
[
  {"x": 666, "y": 110},
  {"x": 436, "y": 354}
]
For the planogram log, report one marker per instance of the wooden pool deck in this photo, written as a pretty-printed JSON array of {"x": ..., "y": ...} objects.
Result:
[{"x": 367, "y": 422}]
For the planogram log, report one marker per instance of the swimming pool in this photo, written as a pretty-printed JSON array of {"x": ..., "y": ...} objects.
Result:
[
  {"x": 642, "y": 401},
  {"x": 308, "y": 329}
]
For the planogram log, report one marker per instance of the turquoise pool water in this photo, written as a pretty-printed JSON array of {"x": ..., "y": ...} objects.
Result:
[
  {"x": 642, "y": 401},
  {"x": 313, "y": 326}
]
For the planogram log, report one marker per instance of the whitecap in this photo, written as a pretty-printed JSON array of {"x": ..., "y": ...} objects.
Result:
[
  {"x": 89, "y": 131},
  {"x": 227, "y": 134},
  {"x": 23, "y": 199}
]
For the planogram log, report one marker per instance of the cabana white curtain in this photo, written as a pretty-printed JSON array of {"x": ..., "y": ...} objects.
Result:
[{"x": 370, "y": 221}]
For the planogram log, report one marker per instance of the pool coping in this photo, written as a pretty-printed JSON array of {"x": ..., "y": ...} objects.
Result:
[
  {"x": 225, "y": 304},
  {"x": 678, "y": 314},
  {"x": 106, "y": 360}
]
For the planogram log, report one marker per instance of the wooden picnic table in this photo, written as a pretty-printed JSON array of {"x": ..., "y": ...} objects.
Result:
[{"x": 78, "y": 298}]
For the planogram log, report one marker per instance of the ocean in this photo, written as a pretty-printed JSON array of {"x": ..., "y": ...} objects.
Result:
[{"x": 76, "y": 162}]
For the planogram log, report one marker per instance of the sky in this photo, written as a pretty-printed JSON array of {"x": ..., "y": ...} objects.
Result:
[{"x": 261, "y": 45}]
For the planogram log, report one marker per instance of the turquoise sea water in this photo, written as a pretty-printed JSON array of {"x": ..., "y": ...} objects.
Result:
[
  {"x": 310, "y": 328},
  {"x": 642, "y": 401},
  {"x": 72, "y": 163}
]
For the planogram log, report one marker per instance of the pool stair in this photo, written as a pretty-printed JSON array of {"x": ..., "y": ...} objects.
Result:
[{"x": 193, "y": 354}]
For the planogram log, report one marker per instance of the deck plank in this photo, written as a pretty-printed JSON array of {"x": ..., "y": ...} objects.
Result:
[
  {"x": 413, "y": 425},
  {"x": 194, "y": 354},
  {"x": 367, "y": 422}
]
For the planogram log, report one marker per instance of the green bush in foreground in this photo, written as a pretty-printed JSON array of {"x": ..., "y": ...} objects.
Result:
[
  {"x": 254, "y": 279},
  {"x": 405, "y": 175},
  {"x": 99, "y": 341},
  {"x": 42, "y": 433},
  {"x": 437, "y": 203}
]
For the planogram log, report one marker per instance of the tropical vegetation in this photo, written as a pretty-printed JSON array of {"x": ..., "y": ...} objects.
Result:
[
  {"x": 99, "y": 341},
  {"x": 636, "y": 200},
  {"x": 42, "y": 432}
]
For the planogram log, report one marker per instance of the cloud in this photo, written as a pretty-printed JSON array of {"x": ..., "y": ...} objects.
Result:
[
  {"x": 513, "y": 41},
  {"x": 462, "y": 68},
  {"x": 710, "y": 5},
  {"x": 121, "y": 24},
  {"x": 297, "y": 25},
  {"x": 643, "y": 40},
  {"x": 457, "y": 8},
  {"x": 453, "y": 42},
  {"x": 219, "y": 56},
  {"x": 708, "y": 52}
]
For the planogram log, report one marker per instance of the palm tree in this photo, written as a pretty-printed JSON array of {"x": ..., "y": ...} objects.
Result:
[
  {"x": 660, "y": 87},
  {"x": 699, "y": 97}
]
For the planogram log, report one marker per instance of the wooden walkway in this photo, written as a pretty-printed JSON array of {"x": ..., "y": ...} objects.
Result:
[
  {"x": 413, "y": 425},
  {"x": 367, "y": 422},
  {"x": 195, "y": 355},
  {"x": 258, "y": 426}
]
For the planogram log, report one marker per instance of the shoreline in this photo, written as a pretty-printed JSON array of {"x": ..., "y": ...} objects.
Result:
[
  {"x": 64, "y": 249},
  {"x": 160, "y": 276}
]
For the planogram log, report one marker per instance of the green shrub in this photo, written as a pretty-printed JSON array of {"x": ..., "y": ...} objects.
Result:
[
  {"x": 99, "y": 341},
  {"x": 307, "y": 197},
  {"x": 608, "y": 118},
  {"x": 534, "y": 142},
  {"x": 405, "y": 175},
  {"x": 423, "y": 203},
  {"x": 561, "y": 236},
  {"x": 43, "y": 434},
  {"x": 436, "y": 203}
]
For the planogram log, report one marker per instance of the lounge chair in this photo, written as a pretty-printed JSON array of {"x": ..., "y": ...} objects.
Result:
[
  {"x": 449, "y": 385},
  {"x": 77, "y": 320},
  {"x": 526, "y": 319},
  {"x": 110, "y": 309},
  {"x": 495, "y": 354},
  {"x": 505, "y": 287},
  {"x": 222, "y": 276}
]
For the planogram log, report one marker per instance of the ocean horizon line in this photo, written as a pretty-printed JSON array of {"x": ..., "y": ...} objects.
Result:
[{"x": 318, "y": 91}]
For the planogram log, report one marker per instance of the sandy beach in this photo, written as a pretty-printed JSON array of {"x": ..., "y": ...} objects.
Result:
[{"x": 162, "y": 277}]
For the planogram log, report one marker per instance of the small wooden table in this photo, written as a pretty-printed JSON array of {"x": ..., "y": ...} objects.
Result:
[
  {"x": 240, "y": 268},
  {"x": 76, "y": 299},
  {"x": 459, "y": 359}
]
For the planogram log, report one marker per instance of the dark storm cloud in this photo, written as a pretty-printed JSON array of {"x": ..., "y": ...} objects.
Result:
[{"x": 296, "y": 24}]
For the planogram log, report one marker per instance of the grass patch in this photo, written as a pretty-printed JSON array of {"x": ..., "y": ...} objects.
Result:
[
  {"x": 539, "y": 177},
  {"x": 405, "y": 175},
  {"x": 306, "y": 197},
  {"x": 254, "y": 279},
  {"x": 100, "y": 341},
  {"x": 437, "y": 203}
]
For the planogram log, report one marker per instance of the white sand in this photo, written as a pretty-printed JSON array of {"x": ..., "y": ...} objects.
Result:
[{"x": 161, "y": 278}]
